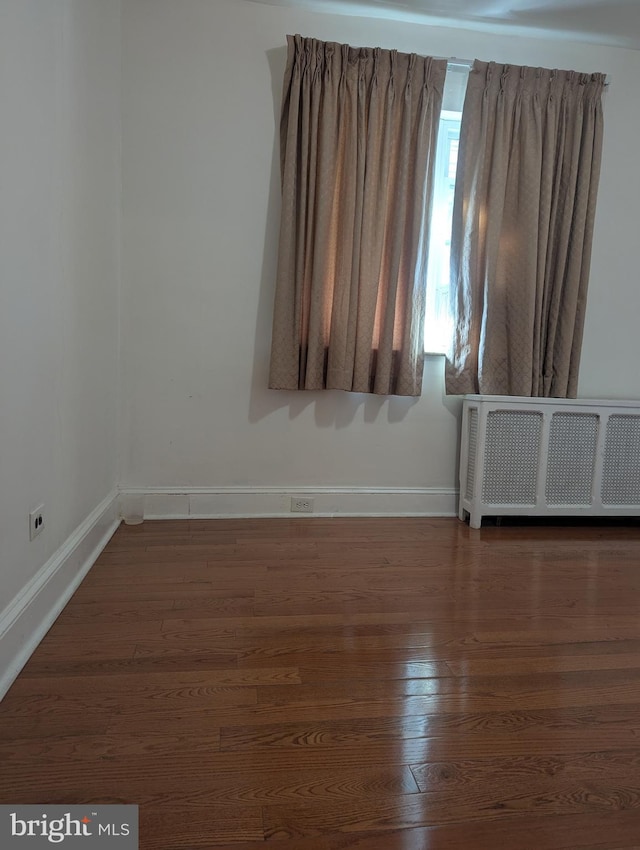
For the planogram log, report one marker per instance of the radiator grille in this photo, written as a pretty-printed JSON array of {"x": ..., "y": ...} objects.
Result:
[
  {"x": 571, "y": 458},
  {"x": 511, "y": 457},
  {"x": 472, "y": 449},
  {"x": 555, "y": 457},
  {"x": 621, "y": 471}
]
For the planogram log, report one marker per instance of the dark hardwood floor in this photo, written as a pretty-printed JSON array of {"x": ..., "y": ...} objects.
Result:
[{"x": 344, "y": 684}]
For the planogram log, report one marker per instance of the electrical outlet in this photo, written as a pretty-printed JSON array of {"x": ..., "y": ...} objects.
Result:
[
  {"x": 36, "y": 522},
  {"x": 301, "y": 506}
]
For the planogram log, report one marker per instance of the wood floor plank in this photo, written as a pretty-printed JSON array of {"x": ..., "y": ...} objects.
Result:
[
  {"x": 546, "y": 795},
  {"x": 155, "y": 682},
  {"x": 133, "y": 611},
  {"x": 366, "y": 755},
  {"x": 344, "y": 667},
  {"x": 502, "y": 772},
  {"x": 171, "y": 698},
  {"x": 95, "y": 634},
  {"x": 462, "y": 658},
  {"x": 344, "y": 684},
  {"x": 88, "y": 749},
  {"x": 161, "y": 592},
  {"x": 543, "y": 690},
  {"x": 73, "y": 666},
  {"x": 530, "y": 832},
  {"x": 29, "y": 723},
  {"x": 63, "y": 649},
  {"x": 200, "y": 788},
  {"x": 217, "y": 826},
  {"x": 545, "y": 664},
  {"x": 499, "y": 730}
]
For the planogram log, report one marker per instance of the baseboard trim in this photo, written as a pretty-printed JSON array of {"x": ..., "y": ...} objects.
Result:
[
  {"x": 222, "y": 502},
  {"x": 30, "y": 615}
]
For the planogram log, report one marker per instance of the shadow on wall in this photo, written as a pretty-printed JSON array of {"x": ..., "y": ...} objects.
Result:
[{"x": 333, "y": 408}]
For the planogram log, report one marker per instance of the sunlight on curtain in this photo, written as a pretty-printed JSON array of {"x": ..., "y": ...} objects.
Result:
[{"x": 358, "y": 137}]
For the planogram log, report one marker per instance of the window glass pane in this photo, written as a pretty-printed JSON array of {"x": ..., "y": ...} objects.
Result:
[{"x": 438, "y": 324}]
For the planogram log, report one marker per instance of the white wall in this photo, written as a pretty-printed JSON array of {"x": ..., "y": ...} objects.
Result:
[
  {"x": 200, "y": 216},
  {"x": 59, "y": 254}
]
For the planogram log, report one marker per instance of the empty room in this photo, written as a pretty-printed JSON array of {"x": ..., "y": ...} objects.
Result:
[{"x": 320, "y": 424}]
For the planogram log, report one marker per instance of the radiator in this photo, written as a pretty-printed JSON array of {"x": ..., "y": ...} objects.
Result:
[{"x": 548, "y": 457}]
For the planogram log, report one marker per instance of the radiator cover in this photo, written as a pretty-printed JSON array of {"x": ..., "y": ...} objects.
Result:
[{"x": 536, "y": 457}]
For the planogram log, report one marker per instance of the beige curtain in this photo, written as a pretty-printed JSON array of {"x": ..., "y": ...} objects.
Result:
[
  {"x": 528, "y": 169},
  {"x": 358, "y": 134}
]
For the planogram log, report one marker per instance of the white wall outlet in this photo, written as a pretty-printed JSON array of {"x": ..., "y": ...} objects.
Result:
[
  {"x": 36, "y": 522},
  {"x": 301, "y": 505}
]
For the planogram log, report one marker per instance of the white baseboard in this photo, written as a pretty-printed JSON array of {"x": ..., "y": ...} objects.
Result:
[
  {"x": 221, "y": 502},
  {"x": 27, "y": 619}
]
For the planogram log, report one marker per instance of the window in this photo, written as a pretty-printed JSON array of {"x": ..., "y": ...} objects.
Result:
[{"x": 437, "y": 332}]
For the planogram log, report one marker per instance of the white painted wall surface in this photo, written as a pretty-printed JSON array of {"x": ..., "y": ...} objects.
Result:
[
  {"x": 59, "y": 255},
  {"x": 201, "y": 100}
]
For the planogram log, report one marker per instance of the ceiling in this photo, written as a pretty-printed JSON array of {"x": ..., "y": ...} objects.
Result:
[{"x": 614, "y": 22}]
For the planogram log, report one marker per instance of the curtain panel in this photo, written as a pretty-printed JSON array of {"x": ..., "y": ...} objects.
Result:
[
  {"x": 358, "y": 133},
  {"x": 528, "y": 170}
]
